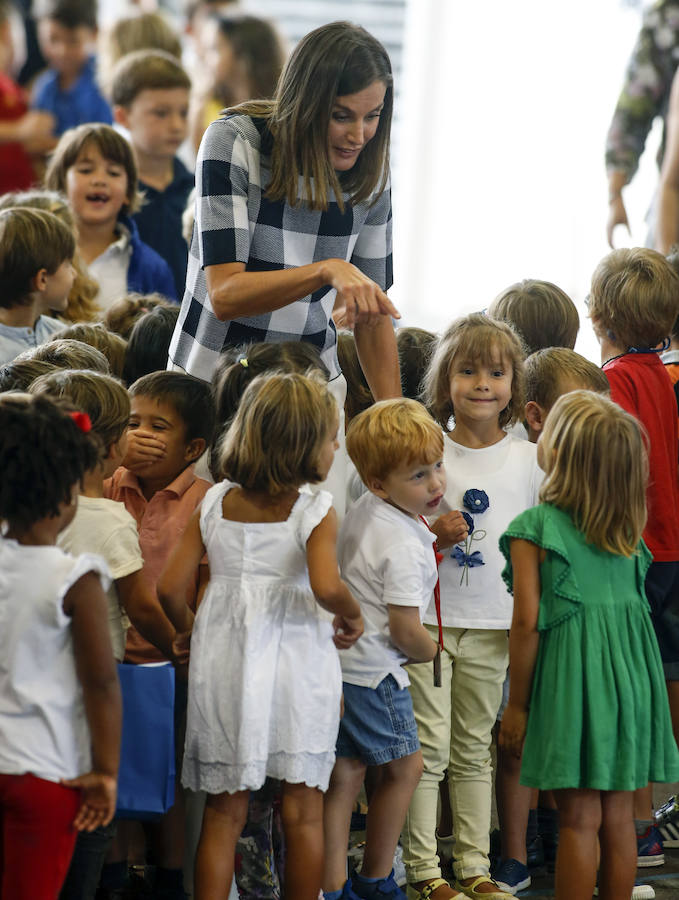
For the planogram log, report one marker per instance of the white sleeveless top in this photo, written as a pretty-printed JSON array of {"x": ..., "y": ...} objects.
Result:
[{"x": 43, "y": 729}]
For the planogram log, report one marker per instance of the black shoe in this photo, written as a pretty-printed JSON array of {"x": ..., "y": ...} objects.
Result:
[{"x": 535, "y": 853}]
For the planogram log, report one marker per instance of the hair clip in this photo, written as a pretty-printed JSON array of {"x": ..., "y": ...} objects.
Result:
[
  {"x": 82, "y": 420},
  {"x": 243, "y": 361}
]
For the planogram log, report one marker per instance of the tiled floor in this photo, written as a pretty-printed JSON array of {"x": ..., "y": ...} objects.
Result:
[{"x": 663, "y": 879}]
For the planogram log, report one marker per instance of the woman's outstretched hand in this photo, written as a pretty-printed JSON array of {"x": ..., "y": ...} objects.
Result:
[{"x": 359, "y": 298}]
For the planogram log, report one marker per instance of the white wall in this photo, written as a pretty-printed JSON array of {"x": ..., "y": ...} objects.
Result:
[{"x": 500, "y": 176}]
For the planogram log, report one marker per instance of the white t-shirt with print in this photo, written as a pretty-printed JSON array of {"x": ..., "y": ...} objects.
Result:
[{"x": 509, "y": 474}]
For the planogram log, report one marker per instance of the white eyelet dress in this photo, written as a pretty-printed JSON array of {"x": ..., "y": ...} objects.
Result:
[{"x": 264, "y": 677}]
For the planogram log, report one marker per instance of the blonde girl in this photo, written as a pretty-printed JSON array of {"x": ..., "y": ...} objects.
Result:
[
  {"x": 587, "y": 702},
  {"x": 474, "y": 382},
  {"x": 264, "y": 681}
]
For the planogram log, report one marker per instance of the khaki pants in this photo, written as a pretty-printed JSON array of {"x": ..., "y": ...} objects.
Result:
[{"x": 455, "y": 723}]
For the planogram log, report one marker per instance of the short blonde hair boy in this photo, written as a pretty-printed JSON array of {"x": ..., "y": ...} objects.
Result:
[
  {"x": 102, "y": 397},
  {"x": 146, "y": 70},
  {"x": 547, "y": 371},
  {"x": 390, "y": 434},
  {"x": 540, "y": 312},
  {"x": 97, "y": 335},
  {"x": 597, "y": 469},
  {"x": 471, "y": 338},
  {"x": 634, "y": 296},
  {"x": 275, "y": 439}
]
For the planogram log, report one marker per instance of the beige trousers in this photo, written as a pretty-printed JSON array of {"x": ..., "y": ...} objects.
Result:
[{"x": 455, "y": 723}]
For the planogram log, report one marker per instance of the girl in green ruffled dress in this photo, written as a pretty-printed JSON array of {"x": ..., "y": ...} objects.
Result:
[{"x": 588, "y": 702}]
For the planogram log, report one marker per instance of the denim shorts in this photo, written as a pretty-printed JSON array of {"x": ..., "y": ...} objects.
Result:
[{"x": 378, "y": 723}]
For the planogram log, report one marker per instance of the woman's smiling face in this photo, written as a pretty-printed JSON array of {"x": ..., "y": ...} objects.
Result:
[{"x": 353, "y": 122}]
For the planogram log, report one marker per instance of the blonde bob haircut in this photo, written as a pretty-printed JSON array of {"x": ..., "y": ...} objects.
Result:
[
  {"x": 474, "y": 338},
  {"x": 111, "y": 145},
  {"x": 332, "y": 61},
  {"x": 540, "y": 312},
  {"x": 96, "y": 334},
  {"x": 390, "y": 434},
  {"x": 102, "y": 397},
  {"x": 549, "y": 373},
  {"x": 635, "y": 296},
  {"x": 597, "y": 469},
  {"x": 274, "y": 442}
]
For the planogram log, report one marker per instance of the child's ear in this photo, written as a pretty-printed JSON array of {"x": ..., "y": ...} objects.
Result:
[
  {"x": 39, "y": 280},
  {"x": 535, "y": 419},
  {"x": 120, "y": 116},
  {"x": 376, "y": 487},
  {"x": 195, "y": 449}
]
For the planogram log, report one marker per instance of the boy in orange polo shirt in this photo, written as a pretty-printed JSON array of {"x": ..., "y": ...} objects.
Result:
[{"x": 171, "y": 422}]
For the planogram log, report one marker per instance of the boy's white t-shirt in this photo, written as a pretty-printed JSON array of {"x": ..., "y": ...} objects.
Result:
[
  {"x": 106, "y": 528},
  {"x": 509, "y": 474},
  {"x": 385, "y": 557}
]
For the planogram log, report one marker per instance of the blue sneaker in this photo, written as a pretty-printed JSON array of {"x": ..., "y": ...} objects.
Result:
[
  {"x": 650, "y": 848},
  {"x": 347, "y": 893},
  {"x": 511, "y": 876},
  {"x": 384, "y": 889}
]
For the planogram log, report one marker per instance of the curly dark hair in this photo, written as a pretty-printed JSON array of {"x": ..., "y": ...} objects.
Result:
[{"x": 43, "y": 453}]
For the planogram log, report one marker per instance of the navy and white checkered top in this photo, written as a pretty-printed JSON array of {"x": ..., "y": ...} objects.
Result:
[{"x": 236, "y": 223}]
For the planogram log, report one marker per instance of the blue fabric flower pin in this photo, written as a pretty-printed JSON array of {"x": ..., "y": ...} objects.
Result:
[{"x": 476, "y": 501}]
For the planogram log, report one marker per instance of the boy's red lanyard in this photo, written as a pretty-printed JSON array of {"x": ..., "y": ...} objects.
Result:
[{"x": 437, "y": 605}]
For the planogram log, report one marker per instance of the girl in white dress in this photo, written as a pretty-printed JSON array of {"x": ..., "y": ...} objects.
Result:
[{"x": 264, "y": 677}]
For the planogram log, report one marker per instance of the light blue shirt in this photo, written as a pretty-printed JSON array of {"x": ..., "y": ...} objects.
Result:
[{"x": 14, "y": 340}]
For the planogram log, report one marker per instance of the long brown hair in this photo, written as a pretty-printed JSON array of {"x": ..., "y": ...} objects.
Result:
[{"x": 333, "y": 61}]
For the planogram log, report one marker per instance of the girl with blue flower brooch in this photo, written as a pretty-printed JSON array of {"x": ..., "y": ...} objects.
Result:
[{"x": 474, "y": 383}]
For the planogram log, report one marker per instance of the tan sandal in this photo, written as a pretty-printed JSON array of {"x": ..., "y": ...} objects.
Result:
[
  {"x": 469, "y": 890},
  {"x": 427, "y": 890}
]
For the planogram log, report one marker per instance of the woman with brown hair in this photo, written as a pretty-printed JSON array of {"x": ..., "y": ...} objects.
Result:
[{"x": 293, "y": 212}]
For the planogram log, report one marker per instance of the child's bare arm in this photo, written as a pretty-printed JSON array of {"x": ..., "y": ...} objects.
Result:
[
  {"x": 86, "y": 603},
  {"x": 523, "y": 642},
  {"x": 145, "y": 612},
  {"x": 179, "y": 575},
  {"x": 329, "y": 590},
  {"x": 409, "y": 634}
]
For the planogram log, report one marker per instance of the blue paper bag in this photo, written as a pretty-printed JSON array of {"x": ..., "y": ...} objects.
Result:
[{"x": 147, "y": 767}]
